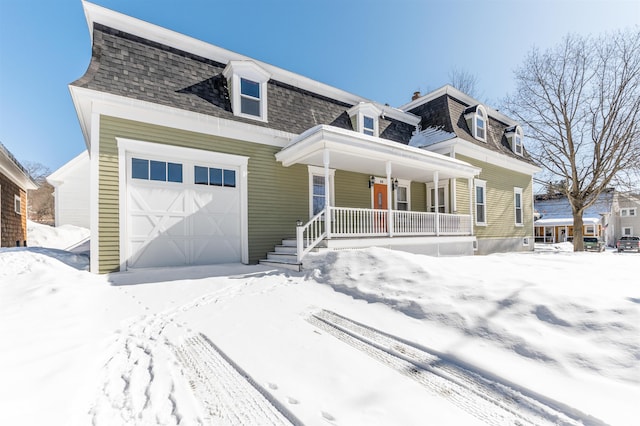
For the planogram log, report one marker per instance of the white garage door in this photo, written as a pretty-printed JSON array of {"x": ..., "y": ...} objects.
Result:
[{"x": 181, "y": 212}]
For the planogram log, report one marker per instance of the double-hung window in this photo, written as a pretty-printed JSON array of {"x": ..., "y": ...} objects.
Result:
[
  {"x": 477, "y": 120},
  {"x": 249, "y": 97},
  {"x": 517, "y": 200},
  {"x": 402, "y": 198},
  {"x": 368, "y": 127},
  {"x": 481, "y": 202},
  {"x": 480, "y": 125},
  {"x": 318, "y": 190}
]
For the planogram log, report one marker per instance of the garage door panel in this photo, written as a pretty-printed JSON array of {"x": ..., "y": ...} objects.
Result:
[
  {"x": 181, "y": 223},
  {"x": 159, "y": 252}
]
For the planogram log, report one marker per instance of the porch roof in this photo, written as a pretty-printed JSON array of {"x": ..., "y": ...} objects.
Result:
[
  {"x": 565, "y": 221},
  {"x": 357, "y": 152}
]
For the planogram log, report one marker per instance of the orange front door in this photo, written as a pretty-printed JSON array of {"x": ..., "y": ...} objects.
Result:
[
  {"x": 380, "y": 203},
  {"x": 380, "y": 196}
]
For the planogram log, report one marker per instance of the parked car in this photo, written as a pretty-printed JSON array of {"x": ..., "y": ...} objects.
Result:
[
  {"x": 593, "y": 244},
  {"x": 629, "y": 244}
]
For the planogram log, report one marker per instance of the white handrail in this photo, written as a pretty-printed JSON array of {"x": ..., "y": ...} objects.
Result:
[{"x": 309, "y": 235}]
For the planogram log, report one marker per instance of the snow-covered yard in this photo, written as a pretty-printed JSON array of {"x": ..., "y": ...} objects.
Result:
[{"x": 366, "y": 337}]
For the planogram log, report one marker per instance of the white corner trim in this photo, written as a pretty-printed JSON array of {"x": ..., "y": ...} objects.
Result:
[{"x": 94, "y": 182}]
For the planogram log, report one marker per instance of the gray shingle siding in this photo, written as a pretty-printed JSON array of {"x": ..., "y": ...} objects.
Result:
[{"x": 127, "y": 65}]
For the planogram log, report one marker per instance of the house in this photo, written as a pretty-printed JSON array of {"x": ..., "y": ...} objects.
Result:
[
  {"x": 14, "y": 184},
  {"x": 71, "y": 192},
  {"x": 555, "y": 222},
  {"x": 456, "y": 125},
  {"x": 627, "y": 215},
  {"x": 200, "y": 155}
]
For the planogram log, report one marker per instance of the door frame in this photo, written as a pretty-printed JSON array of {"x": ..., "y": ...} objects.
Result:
[{"x": 129, "y": 147}]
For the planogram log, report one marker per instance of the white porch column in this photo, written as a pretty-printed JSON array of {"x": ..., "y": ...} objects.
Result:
[
  {"x": 389, "y": 200},
  {"x": 327, "y": 193},
  {"x": 436, "y": 201},
  {"x": 471, "y": 212}
]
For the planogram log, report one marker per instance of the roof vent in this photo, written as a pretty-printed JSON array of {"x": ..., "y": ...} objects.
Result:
[{"x": 415, "y": 96}]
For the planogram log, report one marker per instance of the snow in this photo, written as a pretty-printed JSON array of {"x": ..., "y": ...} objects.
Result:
[{"x": 237, "y": 344}]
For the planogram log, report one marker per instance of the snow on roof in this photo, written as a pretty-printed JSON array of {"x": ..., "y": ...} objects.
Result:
[
  {"x": 430, "y": 136},
  {"x": 555, "y": 208}
]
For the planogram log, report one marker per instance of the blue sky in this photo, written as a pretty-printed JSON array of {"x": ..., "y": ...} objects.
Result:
[{"x": 381, "y": 50}]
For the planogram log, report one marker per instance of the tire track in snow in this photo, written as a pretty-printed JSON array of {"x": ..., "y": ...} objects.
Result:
[
  {"x": 141, "y": 384},
  {"x": 490, "y": 401},
  {"x": 229, "y": 395}
]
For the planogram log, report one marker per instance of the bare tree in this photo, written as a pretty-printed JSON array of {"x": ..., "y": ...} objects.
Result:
[
  {"x": 464, "y": 81},
  {"x": 40, "y": 206},
  {"x": 580, "y": 102}
]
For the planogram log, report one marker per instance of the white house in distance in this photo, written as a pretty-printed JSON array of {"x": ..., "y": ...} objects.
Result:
[{"x": 71, "y": 184}]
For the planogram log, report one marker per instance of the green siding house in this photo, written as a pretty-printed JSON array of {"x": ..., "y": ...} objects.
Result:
[{"x": 200, "y": 155}]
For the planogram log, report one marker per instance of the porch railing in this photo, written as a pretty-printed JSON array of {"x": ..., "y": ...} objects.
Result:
[
  {"x": 310, "y": 234},
  {"x": 353, "y": 222}
]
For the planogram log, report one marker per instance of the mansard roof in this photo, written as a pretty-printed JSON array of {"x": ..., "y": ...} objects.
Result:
[
  {"x": 138, "y": 60},
  {"x": 445, "y": 110}
]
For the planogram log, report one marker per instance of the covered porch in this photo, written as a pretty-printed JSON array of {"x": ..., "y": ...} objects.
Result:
[{"x": 392, "y": 168}]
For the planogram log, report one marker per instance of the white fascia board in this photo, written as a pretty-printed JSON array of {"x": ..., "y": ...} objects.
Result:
[
  {"x": 58, "y": 177},
  {"x": 447, "y": 89},
  {"x": 91, "y": 101},
  {"x": 479, "y": 153},
  {"x": 333, "y": 138},
  {"x": 15, "y": 174}
]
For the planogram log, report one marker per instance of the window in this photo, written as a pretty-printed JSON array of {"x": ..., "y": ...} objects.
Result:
[
  {"x": 364, "y": 118},
  {"x": 402, "y": 198},
  {"x": 476, "y": 118},
  {"x": 589, "y": 230},
  {"x": 249, "y": 97},
  {"x": 318, "y": 190},
  {"x": 517, "y": 195},
  {"x": 17, "y": 204},
  {"x": 368, "y": 128},
  {"x": 214, "y": 176},
  {"x": 628, "y": 212},
  {"x": 481, "y": 204},
  {"x": 627, "y": 231},
  {"x": 443, "y": 197},
  {"x": 515, "y": 137},
  {"x": 247, "y": 84},
  {"x": 156, "y": 170}
]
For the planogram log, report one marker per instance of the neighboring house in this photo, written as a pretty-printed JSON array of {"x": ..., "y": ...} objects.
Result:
[
  {"x": 555, "y": 223},
  {"x": 71, "y": 196},
  {"x": 199, "y": 155},
  {"x": 14, "y": 184},
  {"x": 458, "y": 126},
  {"x": 627, "y": 218}
]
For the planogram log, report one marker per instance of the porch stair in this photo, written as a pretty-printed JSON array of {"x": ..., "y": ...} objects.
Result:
[{"x": 284, "y": 256}]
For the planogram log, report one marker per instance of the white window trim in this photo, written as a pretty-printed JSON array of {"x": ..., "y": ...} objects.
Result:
[
  {"x": 525, "y": 241},
  {"x": 319, "y": 171},
  {"x": 518, "y": 148},
  {"x": 593, "y": 230},
  {"x": 248, "y": 70},
  {"x": 17, "y": 204},
  {"x": 518, "y": 191},
  {"x": 630, "y": 228},
  {"x": 402, "y": 183},
  {"x": 369, "y": 110},
  {"x": 626, "y": 212},
  {"x": 481, "y": 184},
  {"x": 443, "y": 184},
  {"x": 473, "y": 116}
]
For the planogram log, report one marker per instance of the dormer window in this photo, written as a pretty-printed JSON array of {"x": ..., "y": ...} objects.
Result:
[
  {"x": 368, "y": 127},
  {"x": 364, "y": 118},
  {"x": 247, "y": 84},
  {"x": 515, "y": 137},
  {"x": 476, "y": 118}
]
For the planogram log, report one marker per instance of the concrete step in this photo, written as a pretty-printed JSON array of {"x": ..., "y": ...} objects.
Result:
[
  {"x": 285, "y": 249},
  {"x": 285, "y": 265},
  {"x": 282, "y": 257}
]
